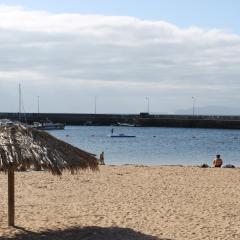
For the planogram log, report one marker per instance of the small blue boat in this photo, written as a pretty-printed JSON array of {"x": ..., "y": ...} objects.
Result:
[{"x": 121, "y": 135}]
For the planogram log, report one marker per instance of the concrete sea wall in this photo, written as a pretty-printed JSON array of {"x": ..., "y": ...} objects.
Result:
[{"x": 144, "y": 119}]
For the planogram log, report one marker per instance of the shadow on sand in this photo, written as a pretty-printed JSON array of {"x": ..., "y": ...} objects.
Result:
[{"x": 85, "y": 233}]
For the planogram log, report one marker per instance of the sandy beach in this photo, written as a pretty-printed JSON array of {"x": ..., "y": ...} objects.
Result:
[{"x": 125, "y": 202}]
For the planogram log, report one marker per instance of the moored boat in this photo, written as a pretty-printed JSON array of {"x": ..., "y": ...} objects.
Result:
[
  {"x": 6, "y": 122},
  {"x": 125, "y": 124},
  {"x": 121, "y": 135},
  {"x": 48, "y": 126}
]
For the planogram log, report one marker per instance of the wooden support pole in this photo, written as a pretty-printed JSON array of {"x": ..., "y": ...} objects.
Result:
[{"x": 11, "y": 200}]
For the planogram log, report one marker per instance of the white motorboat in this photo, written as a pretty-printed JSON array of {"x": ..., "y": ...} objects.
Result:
[
  {"x": 125, "y": 124},
  {"x": 6, "y": 122},
  {"x": 48, "y": 126}
]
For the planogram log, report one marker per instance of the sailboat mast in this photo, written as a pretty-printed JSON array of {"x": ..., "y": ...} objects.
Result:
[{"x": 19, "y": 102}]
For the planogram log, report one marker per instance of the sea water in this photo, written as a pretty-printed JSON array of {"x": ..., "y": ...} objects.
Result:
[{"x": 156, "y": 146}]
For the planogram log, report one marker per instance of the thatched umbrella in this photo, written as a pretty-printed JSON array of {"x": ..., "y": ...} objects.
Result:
[{"x": 23, "y": 147}]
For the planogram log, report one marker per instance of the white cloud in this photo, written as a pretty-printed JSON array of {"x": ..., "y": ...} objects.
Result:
[{"x": 110, "y": 55}]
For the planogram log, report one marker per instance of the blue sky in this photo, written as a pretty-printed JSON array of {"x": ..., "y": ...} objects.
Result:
[
  {"x": 222, "y": 14},
  {"x": 68, "y": 51}
]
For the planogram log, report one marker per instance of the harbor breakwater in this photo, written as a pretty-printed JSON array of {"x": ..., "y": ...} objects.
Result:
[{"x": 141, "y": 120}]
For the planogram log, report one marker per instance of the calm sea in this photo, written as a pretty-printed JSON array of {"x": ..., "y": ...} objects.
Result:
[{"x": 156, "y": 146}]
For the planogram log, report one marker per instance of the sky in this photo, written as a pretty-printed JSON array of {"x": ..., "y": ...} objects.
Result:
[{"x": 123, "y": 53}]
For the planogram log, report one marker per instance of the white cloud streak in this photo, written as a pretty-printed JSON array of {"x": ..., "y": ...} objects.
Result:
[{"x": 72, "y": 50}]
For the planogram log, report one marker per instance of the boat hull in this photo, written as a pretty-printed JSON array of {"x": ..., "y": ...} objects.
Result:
[
  {"x": 55, "y": 126},
  {"x": 122, "y": 136}
]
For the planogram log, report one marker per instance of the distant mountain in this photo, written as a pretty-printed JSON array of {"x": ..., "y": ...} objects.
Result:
[{"x": 210, "y": 110}]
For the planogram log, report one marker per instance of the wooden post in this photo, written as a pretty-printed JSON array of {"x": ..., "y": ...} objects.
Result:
[{"x": 11, "y": 203}]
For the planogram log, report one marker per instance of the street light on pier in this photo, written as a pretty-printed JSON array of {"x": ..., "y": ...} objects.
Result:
[
  {"x": 147, "y": 98},
  {"x": 19, "y": 101},
  {"x": 38, "y": 99},
  {"x": 95, "y": 105},
  {"x": 193, "y": 105}
]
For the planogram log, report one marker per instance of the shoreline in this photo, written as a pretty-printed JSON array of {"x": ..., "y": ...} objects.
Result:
[{"x": 171, "y": 165}]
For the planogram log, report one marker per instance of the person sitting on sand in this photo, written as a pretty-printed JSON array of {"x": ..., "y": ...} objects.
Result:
[
  {"x": 101, "y": 159},
  {"x": 218, "y": 161}
]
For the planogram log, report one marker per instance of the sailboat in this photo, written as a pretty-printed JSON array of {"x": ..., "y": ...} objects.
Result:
[
  {"x": 48, "y": 125},
  {"x": 45, "y": 125},
  {"x": 20, "y": 103}
]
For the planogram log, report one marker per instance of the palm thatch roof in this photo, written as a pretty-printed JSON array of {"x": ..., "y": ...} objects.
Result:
[{"x": 25, "y": 147}]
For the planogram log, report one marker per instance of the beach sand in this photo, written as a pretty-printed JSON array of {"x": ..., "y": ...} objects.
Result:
[{"x": 125, "y": 202}]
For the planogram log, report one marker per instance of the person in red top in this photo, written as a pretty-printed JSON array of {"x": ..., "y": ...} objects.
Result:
[{"x": 218, "y": 161}]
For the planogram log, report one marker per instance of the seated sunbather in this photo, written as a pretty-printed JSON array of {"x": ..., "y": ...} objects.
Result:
[{"x": 218, "y": 161}]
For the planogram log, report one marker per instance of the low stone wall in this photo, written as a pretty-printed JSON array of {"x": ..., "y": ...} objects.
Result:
[
  {"x": 189, "y": 123},
  {"x": 72, "y": 119},
  {"x": 146, "y": 120}
]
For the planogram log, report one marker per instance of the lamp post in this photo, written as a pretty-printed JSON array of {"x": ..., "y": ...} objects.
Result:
[
  {"x": 19, "y": 101},
  {"x": 193, "y": 105},
  {"x": 95, "y": 105},
  {"x": 147, "y": 98},
  {"x": 38, "y": 98}
]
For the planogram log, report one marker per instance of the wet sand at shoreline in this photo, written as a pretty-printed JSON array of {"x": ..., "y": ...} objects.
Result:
[{"x": 125, "y": 202}]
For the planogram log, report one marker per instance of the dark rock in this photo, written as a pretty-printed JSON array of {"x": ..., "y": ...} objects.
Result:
[
  {"x": 229, "y": 166},
  {"x": 204, "y": 165}
]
